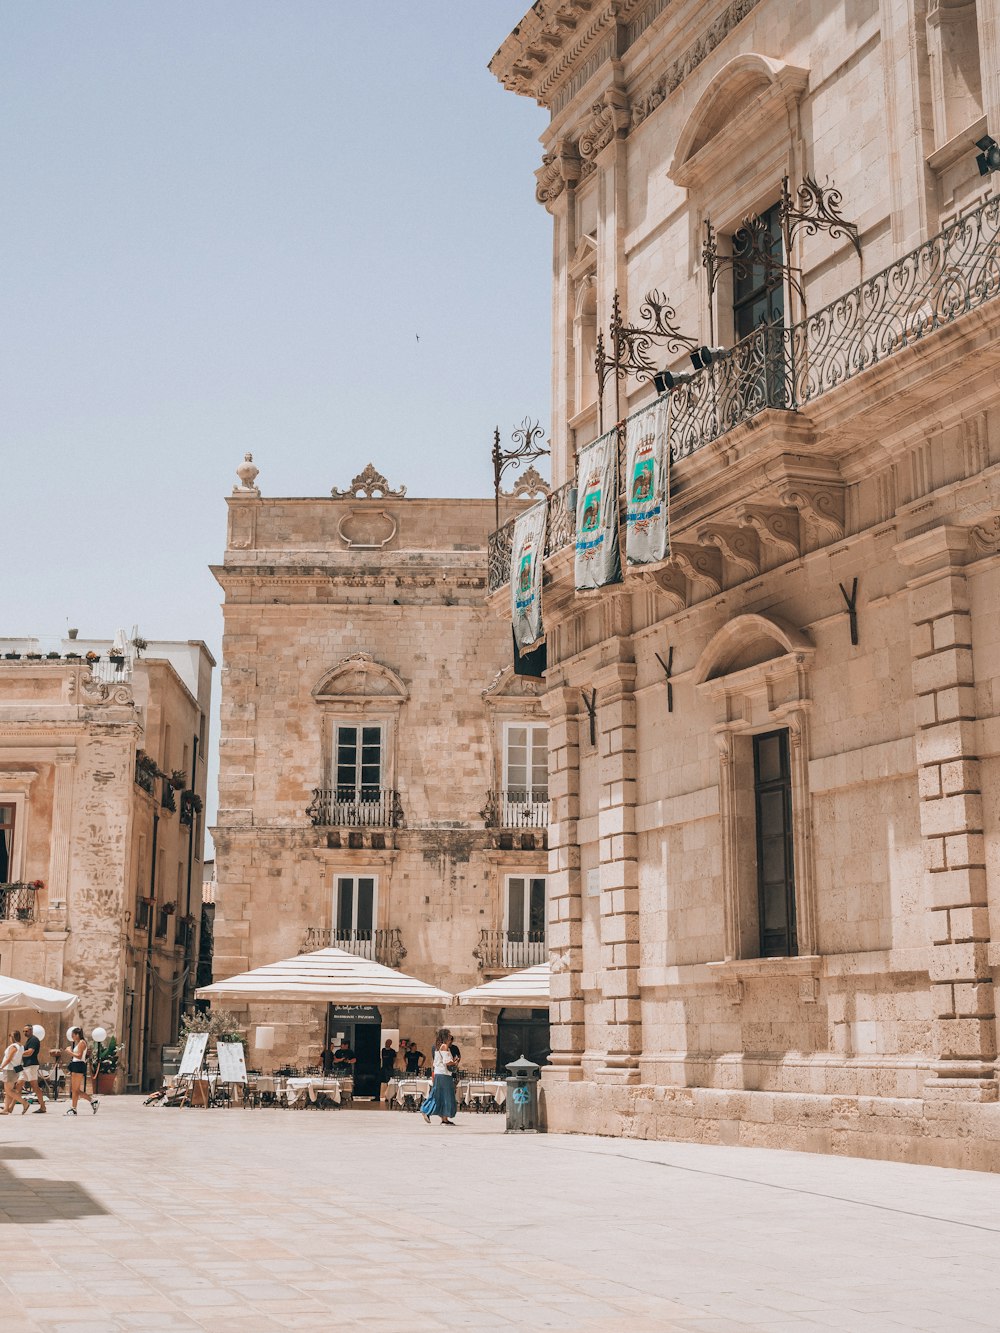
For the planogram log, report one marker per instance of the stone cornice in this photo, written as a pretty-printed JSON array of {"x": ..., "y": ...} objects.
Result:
[{"x": 556, "y": 41}]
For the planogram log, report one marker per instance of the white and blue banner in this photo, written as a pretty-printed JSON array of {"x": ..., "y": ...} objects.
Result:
[
  {"x": 597, "y": 557},
  {"x": 526, "y": 557},
  {"x": 647, "y": 478}
]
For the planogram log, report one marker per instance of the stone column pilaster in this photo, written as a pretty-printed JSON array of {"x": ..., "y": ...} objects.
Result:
[
  {"x": 951, "y": 812},
  {"x": 616, "y": 722},
  {"x": 565, "y": 903}
]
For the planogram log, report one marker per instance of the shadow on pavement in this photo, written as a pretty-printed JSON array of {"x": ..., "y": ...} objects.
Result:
[{"x": 28, "y": 1199}]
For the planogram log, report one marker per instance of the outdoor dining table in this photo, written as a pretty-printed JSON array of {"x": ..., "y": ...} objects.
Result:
[
  {"x": 311, "y": 1087},
  {"x": 480, "y": 1089},
  {"x": 398, "y": 1088}
]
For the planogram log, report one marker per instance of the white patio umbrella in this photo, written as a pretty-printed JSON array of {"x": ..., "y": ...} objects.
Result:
[
  {"x": 15, "y": 994},
  {"x": 326, "y": 975},
  {"x": 527, "y": 989}
]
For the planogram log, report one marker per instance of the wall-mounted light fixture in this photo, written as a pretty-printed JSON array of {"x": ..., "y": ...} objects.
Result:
[{"x": 989, "y": 155}]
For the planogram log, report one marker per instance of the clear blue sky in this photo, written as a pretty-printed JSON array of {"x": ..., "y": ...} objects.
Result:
[{"x": 224, "y": 227}]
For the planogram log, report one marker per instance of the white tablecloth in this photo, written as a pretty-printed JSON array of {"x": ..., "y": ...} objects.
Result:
[
  {"x": 296, "y": 1088},
  {"x": 398, "y": 1088},
  {"x": 468, "y": 1091}
]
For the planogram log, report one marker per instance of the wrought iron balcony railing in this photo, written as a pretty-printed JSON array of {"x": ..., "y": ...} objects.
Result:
[
  {"x": 502, "y": 949},
  {"x": 378, "y": 946},
  {"x": 17, "y": 902},
  {"x": 954, "y": 272},
  {"x": 346, "y": 807},
  {"x": 516, "y": 809}
]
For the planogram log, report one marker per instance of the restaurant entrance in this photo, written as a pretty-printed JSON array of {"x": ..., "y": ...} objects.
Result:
[
  {"x": 361, "y": 1024},
  {"x": 522, "y": 1032}
]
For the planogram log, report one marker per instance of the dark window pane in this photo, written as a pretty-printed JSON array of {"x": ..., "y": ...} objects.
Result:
[
  {"x": 775, "y": 879},
  {"x": 772, "y": 813},
  {"x": 515, "y": 908},
  {"x": 769, "y": 758},
  {"x": 366, "y": 907},
  {"x": 536, "y": 915},
  {"x": 773, "y": 861},
  {"x": 371, "y": 736},
  {"x": 345, "y": 905},
  {"x": 775, "y": 904}
]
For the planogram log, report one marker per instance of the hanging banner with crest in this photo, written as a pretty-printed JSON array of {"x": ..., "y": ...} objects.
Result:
[
  {"x": 647, "y": 474},
  {"x": 597, "y": 556},
  {"x": 526, "y": 556}
]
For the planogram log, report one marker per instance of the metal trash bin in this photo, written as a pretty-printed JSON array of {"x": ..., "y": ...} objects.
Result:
[{"x": 522, "y": 1097}]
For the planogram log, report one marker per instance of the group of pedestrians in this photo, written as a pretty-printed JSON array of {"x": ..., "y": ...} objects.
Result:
[{"x": 19, "y": 1071}]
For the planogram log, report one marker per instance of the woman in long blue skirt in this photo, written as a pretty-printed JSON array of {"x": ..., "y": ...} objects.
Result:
[{"x": 441, "y": 1100}]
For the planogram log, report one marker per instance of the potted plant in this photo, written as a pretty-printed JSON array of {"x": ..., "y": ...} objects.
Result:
[
  {"x": 116, "y": 659},
  {"x": 12, "y": 657},
  {"x": 178, "y": 779},
  {"x": 139, "y": 645},
  {"x": 104, "y": 1066},
  {"x": 72, "y": 657},
  {"x": 53, "y": 657},
  {"x": 33, "y": 657},
  {"x": 93, "y": 657}
]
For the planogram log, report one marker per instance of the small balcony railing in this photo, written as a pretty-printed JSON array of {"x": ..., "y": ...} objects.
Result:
[
  {"x": 17, "y": 902},
  {"x": 346, "y": 807},
  {"x": 378, "y": 946},
  {"x": 516, "y": 809},
  {"x": 510, "y": 949}
]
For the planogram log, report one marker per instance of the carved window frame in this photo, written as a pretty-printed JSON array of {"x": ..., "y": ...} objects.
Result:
[
  {"x": 772, "y": 696},
  {"x": 14, "y": 790}
]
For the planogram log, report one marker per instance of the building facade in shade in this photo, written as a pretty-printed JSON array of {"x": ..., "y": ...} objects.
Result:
[
  {"x": 102, "y": 789},
  {"x": 383, "y": 784},
  {"x": 774, "y": 892}
]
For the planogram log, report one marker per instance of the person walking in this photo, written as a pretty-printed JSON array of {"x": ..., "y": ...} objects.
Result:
[
  {"x": 10, "y": 1072},
  {"x": 442, "y": 1096},
  {"x": 29, "y": 1068},
  {"x": 77, "y": 1052}
]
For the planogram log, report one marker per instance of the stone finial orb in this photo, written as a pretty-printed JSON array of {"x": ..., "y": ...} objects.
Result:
[{"x": 247, "y": 472}]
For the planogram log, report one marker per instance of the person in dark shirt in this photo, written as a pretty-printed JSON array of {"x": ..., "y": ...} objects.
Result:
[
  {"x": 326, "y": 1059},
  {"x": 344, "y": 1058},
  {"x": 456, "y": 1055},
  {"x": 414, "y": 1058},
  {"x": 29, "y": 1068}
]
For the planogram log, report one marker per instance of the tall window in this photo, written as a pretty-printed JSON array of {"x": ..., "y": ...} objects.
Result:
[
  {"x": 526, "y": 762},
  {"x": 759, "y": 293},
  {"x": 775, "y": 866},
  {"x": 524, "y": 928},
  {"x": 6, "y": 842},
  {"x": 358, "y": 763},
  {"x": 354, "y": 907}
]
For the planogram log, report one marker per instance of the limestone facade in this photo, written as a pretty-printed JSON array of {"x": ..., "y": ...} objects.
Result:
[
  {"x": 372, "y": 788},
  {"x": 826, "y": 621},
  {"x": 101, "y": 853}
]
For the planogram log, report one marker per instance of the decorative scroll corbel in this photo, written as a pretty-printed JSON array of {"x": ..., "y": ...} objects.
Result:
[
  {"x": 740, "y": 546},
  {"x": 669, "y": 581},
  {"x": 822, "y": 506},
  {"x": 701, "y": 565},
  {"x": 776, "y": 528}
]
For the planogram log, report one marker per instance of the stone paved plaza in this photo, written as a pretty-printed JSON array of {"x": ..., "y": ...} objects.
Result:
[{"x": 247, "y": 1221}]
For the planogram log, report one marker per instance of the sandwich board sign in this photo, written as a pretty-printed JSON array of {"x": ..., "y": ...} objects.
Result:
[
  {"x": 194, "y": 1054},
  {"x": 232, "y": 1062}
]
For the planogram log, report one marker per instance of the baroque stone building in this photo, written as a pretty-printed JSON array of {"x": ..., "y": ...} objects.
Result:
[
  {"x": 774, "y": 890},
  {"x": 383, "y": 781},
  {"x": 102, "y": 786}
]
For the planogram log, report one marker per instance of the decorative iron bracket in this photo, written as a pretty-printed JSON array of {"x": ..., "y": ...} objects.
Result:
[
  {"x": 527, "y": 449},
  {"x": 591, "y": 706},
  {"x": 631, "y": 344},
  {"x": 852, "y": 609},
  {"x": 668, "y": 667}
]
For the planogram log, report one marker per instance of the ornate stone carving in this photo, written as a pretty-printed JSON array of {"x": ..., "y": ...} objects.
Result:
[
  {"x": 560, "y": 167},
  {"x": 822, "y": 506},
  {"x": 360, "y": 676},
  {"x": 985, "y": 537},
  {"x": 529, "y": 485},
  {"x": 610, "y": 118},
  {"x": 248, "y": 473},
  {"x": 776, "y": 528},
  {"x": 740, "y": 546},
  {"x": 505, "y": 684},
  {"x": 367, "y": 485},
  {"x": 367, "y": 529},
  {"x": 669, "y": 581},
  {"x": 700, "y": 565},
  {"x": 101, "y": 692},
  {"x": 691, "y": 59}
]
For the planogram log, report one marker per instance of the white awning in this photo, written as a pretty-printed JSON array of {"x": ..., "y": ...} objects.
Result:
[
  {"x": 16, "y": 994},
  {"x": 327, "y": 975},
  {"x": 527, "y": 989}
]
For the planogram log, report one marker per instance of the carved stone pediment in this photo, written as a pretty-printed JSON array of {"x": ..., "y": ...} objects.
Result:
[
  {"x": 369, "y": 483},
  {"x": 360, "y": 677},
  {"x": 506, "y": 684}
]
